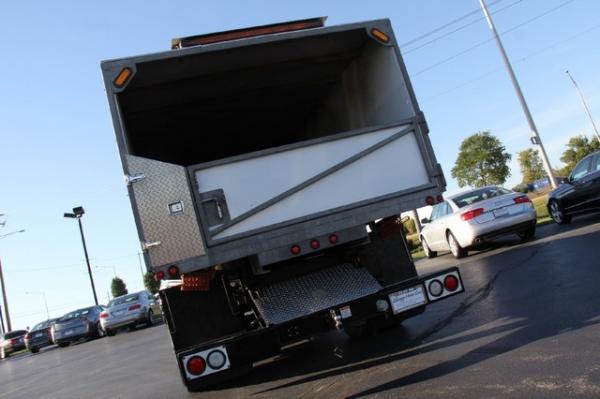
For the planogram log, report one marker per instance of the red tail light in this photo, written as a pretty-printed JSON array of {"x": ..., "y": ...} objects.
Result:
[
  {"x": 134, "y": 307},
  {"x": 159, "y": 275},
  {"x": 103, "y": 315},
  {"x": 451, "y": 283},
  {"x": 13, "y": 341},
  {"x": 296, "y": 249},
  {"x": 429, "y": 200},
  {"x": 333, "y": 239},
  {"x": 315, "y": 244},
  {"x": 471, "y": 214},
  {"x": 522, "y": 199},
  {"x": 196, "y": 365},
  {"x": 173, "y": 271}
]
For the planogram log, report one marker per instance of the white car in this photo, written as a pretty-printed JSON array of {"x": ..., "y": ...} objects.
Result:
[{"x": 476, "y": 216}]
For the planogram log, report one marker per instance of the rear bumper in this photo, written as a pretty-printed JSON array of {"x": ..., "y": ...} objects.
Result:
[
  {"x": 474, "y": 233},
  {"x": 245, "y": 348},
  {"x": 13, "y": 348},
  {"x": 123, "y": 321},
  {"x": 38, "y": 342}
]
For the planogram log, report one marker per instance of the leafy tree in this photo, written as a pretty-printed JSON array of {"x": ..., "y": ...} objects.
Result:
[
  {"x": 118, "y": 287},
  {"x": 150, "y": 283},
  {"x": 482, "y": 161},
  {"x": 531, "y": 165},
  {"x": 577, "y": 148}
]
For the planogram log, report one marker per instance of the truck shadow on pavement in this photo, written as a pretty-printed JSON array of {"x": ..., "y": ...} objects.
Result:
[{"x": 531, "y": 318}]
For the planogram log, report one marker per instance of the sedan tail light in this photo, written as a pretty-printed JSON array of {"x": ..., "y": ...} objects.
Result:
[
  {"x": 103, "y": 315},
  {"x": 471, "y": 214},
  {"x": 522, "y": 199},
  {"x": 134, "y": 307},
  {"x": 13, "y": 341}
]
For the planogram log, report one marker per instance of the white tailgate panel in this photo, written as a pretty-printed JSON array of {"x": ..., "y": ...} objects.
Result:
[{"x": 394, "y": 167}]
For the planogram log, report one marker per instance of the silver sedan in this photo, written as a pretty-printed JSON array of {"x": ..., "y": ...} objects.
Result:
[
  {"x": 129, "y": 311},
  {"x": 473, "y": 217}
]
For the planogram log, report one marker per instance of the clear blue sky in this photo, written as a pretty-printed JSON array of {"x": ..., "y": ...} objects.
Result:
[{"x": 57, "y": 147}]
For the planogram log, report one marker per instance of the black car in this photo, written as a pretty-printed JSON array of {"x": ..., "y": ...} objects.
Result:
[
  {"x": 579, "y": 193},
  {"x": 77, "y": 325},
  {"x": 39, "y": 336},
  {"x": 11, "y": 342}
]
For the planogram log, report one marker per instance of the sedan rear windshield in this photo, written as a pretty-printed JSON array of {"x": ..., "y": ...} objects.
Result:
[
  {"x": 123, "y": 299},
  {"x": 77, "y": 313},
  {"x": 14, "y": 334},
  {"x": 479, "y": 195}
]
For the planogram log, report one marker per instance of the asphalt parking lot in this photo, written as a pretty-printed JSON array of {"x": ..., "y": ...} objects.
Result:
[{"x": 527, "y": 326}]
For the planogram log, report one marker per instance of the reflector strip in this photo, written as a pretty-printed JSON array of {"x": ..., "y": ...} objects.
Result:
[
  {"x": 123, "y": 77},
  {"x": 379, "y": 35}
]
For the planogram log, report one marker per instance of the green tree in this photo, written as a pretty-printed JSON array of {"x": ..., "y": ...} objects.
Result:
[
  {"x": 532, "y": 167},
  {"x": 482, "y": 161},
  {"x": 577, "y": 148},
  {"x": 150, "y": 283},
  {"x": 118, "y": 287}
]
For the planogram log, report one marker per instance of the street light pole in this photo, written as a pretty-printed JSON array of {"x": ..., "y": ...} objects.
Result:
[
  {"x": 535, "y": 137},
  {"x": 77, "y": 214},
  {"x": 45, "y": 301},
  {"x": 584, "y": 105},
  {"x": 4, "y": 298}
]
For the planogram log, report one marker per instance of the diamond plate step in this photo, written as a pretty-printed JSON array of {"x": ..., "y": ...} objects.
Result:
[{"x": 287, "y": 300}]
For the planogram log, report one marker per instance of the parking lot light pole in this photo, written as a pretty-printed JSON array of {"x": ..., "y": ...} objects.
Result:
[
  {"x": 584, "y": 105},
  {"x": 4, "y": 298},
  {"x": 77, "y": 214},
  {"x": 45, "y": 301}
]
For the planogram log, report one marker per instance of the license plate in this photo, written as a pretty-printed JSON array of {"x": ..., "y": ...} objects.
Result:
[
  {"x": 500, "y": 212},
  {"x": 119, "y": 313},
  {"x": 39, "y": 334},
  {"x": 407, "y": 299},
  {"x": 69, "y": 332}
]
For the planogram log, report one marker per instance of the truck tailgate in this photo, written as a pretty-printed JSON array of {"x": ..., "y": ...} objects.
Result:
[{"x": 293, "y": 183}]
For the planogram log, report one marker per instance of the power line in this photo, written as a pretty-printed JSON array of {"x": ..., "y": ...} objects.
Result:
[
  {"x": 522, "y": 59},
  {"x": 491, "y": 39},
  {"x": 444, "y": 26},
  {"x": 458, "y": 29}
]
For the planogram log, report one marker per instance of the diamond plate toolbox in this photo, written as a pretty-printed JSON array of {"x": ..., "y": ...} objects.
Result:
[
  {"x": 300, "y": 296},
  {"x": 165, "y": 211}
]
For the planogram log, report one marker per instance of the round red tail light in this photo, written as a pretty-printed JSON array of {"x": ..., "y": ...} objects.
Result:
[
  {"x": 160, "y": 275},
  {"x": 296, "y": 249},
  {"x": 196, "y": 365},
  {"x": 451, "y": 283},
  {"x": 429, "y": 200},
  {"x": 315, "y": 244},
  {"x": 333, "y": 239},
  {"x": 174, "y": 271}
]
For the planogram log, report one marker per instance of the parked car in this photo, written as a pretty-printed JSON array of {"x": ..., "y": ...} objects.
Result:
[
  {"x": 476, "y": 216},
  {"x": 129, "y": 311},
  {"x": 12, "y": 342},
  {"x": 79, "y": 324},
  {"x": 579, "y": 193},
  {"x": 39, "y": 336}
]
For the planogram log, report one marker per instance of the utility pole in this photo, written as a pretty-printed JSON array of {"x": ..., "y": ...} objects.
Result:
[
  {"x": 4, "y": 297},
  {"x": 535, "y": 137},
  {"x": 584, "y": 105}
]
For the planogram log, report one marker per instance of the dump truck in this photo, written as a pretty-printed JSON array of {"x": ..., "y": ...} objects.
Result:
[{"x": 267, "y": 168}]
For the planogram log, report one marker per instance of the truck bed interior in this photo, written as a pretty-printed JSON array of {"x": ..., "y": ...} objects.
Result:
[{"x": 213, "y": 104}]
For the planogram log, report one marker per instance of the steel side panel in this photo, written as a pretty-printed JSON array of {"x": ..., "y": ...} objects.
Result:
[
  {"x": 179, "y": 234},
  {"x": 395, "y": 167}
]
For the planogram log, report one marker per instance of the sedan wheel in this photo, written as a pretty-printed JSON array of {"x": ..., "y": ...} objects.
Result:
[
  {"x": 150, "y": 319},
  {"x": 428, "y": 252},
  {"x": 557, "y": 213},
  {"x": 455, "y": 248}
]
